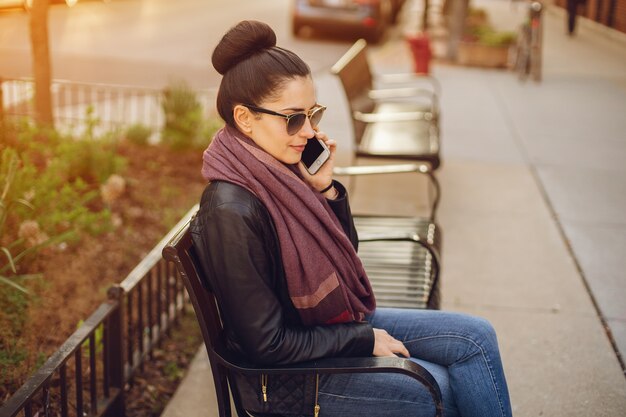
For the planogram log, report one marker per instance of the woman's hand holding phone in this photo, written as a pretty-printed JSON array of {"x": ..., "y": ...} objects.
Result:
[{"x": 324, "y": 175}]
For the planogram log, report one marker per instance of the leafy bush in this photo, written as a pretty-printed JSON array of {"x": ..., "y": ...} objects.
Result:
[
  {"x": 183, "y": 116},
  {"x": 185, "y": 127},
  {"x": 210, "y": 127},
  {"x": 486, "y": 35},
  {"x": 138, "y": 134},
  {"x": 9, "y": 163},
  {"x": 478, "y": 29},
  {"x": 92, "y": 161},
  {"x": 50, "y": 186}
]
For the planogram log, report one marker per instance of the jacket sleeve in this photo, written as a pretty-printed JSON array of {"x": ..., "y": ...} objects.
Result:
[
  {"x": 237, "y": 244},
  {"x": 341, "y": 208}
]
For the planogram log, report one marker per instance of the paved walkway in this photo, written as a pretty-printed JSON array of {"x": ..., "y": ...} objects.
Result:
[{"x": 533, "y": 215}]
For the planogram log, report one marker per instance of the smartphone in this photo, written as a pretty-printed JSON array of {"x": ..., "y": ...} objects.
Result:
[{"x": 315, "y": 154}]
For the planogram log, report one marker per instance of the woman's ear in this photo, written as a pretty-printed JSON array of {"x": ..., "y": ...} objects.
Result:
[{"x": 242, "y": 118}]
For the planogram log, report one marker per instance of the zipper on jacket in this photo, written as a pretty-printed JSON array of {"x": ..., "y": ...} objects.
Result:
[
  {"x": 264, "y": 387},
  {"x": 316, "y": 409}
]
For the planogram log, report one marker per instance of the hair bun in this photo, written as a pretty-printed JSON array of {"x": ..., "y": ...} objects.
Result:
[{"x": 243, "y": 40}]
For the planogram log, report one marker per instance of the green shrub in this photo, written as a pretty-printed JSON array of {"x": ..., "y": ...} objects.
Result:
[
  {"x": 493, "y": 38},
  {"x": 19, "y": 236},
  {"x": 210, "y": 126},
  {"x": 62, "y": 183},
  {"x": 183, "y": 117},
  {"x": 92, "y": 161},
  {"x": 9, "y": 164},
  {"x": 138, "y": 134},
  {"x": 478, "y": 29},
  {"x": 185, "y": 127},
  {"x": 50, "y": 191},
  {"x": 486, "y": 35}
]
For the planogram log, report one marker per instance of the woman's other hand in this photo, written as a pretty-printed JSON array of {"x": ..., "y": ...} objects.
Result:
[
  {"x": 324, "y": 176},
  {"x": 386, "y": 345}
]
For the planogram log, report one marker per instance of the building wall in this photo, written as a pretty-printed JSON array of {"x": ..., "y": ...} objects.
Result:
[{"x": 611, "y": 13}]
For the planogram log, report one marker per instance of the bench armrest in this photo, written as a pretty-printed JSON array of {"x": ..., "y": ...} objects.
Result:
[
  {"x": 400, "y": 92},
  {"x": 394, "y": 117},
  {"x": 423, "y": 168},
  {"x": 386, "y": 94},
  {"x": 407, "y": 77},
  {"x": 341, "y": 366}
]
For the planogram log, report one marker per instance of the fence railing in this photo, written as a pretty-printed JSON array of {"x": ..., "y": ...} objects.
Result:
[
  {"x": 86, "y": 376},
  {"x": 113, "y": 105}
]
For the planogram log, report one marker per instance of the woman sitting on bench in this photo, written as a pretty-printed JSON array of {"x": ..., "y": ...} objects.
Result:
[{"x": 281, "y": 246}]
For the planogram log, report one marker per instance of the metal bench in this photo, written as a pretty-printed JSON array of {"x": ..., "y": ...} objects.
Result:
[
  {"x": 224, "y": 365},
  {"x": 398, "y": 121},
  {"x": 402, "y": 255}
]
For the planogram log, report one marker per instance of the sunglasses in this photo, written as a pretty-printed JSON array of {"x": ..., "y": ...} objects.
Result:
[{"x": 295, "y": 121}]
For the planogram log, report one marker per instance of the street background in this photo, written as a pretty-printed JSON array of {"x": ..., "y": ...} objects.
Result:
[{"x": 533, "y": 177}]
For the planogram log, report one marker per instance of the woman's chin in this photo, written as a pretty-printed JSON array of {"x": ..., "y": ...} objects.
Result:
[{"x": 291, "y": 159}]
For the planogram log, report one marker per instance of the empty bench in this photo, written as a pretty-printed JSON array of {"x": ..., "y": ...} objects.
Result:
[
  {"x": 401, "y": 254},
  {"x": 399, "y": 121}
]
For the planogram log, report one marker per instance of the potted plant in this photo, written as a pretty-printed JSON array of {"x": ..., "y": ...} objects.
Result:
[{"x": 482, "y": 45}]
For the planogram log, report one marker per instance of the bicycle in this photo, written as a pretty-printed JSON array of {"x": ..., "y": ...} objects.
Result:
[{"x": 529, "y": 44}]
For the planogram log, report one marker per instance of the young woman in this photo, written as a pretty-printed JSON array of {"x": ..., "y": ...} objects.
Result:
[{"x": 279, "y": 247}]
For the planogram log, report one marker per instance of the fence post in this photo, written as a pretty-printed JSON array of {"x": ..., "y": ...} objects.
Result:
[{"x": 115, "y": 360}]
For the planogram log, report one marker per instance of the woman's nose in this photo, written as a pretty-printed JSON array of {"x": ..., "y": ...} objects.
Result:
[{"x": 307, "y": 130}]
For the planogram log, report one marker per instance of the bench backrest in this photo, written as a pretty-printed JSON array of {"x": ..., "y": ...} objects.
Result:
[
  {"x": 354, "y": 72},
  {"x": 181, "y": 252},
  {"x": 355, "y": 75}
]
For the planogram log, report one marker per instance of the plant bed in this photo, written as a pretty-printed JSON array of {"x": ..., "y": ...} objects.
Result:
[
  {"x": 111, "y": 231},
  {"x": 480, "y": 55},
  {"x": 152, "y": 388}
]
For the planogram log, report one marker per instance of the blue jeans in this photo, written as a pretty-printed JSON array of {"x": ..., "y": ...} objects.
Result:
[{"x": 460, "y": 351}]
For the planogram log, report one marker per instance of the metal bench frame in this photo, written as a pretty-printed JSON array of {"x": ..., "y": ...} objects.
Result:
[
  {"x": 402, "y": 255},
  {"x": 224, "y": 364}
]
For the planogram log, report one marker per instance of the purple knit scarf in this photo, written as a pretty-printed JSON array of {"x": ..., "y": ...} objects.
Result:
[{"x": 325, "y": 277}]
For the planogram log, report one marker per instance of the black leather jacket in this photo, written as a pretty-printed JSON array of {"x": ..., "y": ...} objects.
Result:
[{"x": 240, "y": 254}]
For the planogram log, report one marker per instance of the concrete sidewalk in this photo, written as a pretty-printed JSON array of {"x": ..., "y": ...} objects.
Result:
[{"x": 533, "y": 214}]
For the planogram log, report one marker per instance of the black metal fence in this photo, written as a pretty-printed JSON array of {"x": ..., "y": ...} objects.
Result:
[
  {"x": 112, "y": 105},
  {"x": 86, "y": 376}
]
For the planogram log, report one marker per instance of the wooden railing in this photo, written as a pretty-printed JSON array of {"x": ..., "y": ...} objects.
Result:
[{"x": 87, "y": 375}]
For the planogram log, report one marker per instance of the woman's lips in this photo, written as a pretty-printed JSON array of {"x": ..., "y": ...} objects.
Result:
[{"x": 299, "y": 148}]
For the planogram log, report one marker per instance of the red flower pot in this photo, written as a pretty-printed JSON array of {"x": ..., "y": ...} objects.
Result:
[{"x": 420, "y": 48}]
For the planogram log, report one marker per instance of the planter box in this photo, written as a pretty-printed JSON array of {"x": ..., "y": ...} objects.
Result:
[{"x": 475, "y": 54}]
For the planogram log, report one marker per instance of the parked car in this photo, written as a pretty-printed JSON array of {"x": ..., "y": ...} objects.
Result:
[
  {"x": 367, "y": 19},
  {"x": 13, "y": 4},
  {"x": 27, "y": 4}
]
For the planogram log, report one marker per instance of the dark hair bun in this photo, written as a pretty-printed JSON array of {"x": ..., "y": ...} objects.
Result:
[{"x": 243, "y": 40}]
